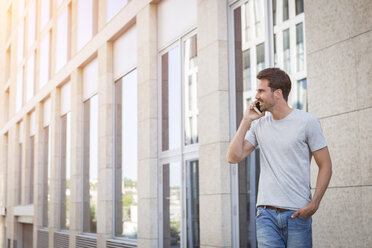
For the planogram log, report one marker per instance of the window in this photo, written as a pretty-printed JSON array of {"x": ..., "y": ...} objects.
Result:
[
  {"x": 19, "y": 90},
  {"x": 87, "y": 23},
  {"x": 90, "y": 147},
  {"x": 31, "y": 21},
  {"x": 65, "y": 176},
  {"x": 44, "y": 60},
  {"x": 30, "y": 161},
  {"x": 8, "y": 63},
  {"x": 45, "y": 13},
  {"x": 179, "y": 188},
  {"x": 63, "y": 42},
  {"x": 46, "y": 165},
  {"x": 4, "y": 165},
  {"x": 30, "y": 77},
  {"x": 113, "y": 7},
  {"x": 20, "y": 43},
  {"x": 65, "y": 163},
  {"x": 249, "y": 57},
  {"x": 19, "y": 162},
  {"x": 9, "y": 21},
  {"x": 126, "y": 196}
]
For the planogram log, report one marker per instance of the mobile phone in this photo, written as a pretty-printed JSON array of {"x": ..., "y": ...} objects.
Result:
[{"x": 257, "y": 108}]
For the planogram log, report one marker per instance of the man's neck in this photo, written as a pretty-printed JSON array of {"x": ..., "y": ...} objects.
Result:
[{"x": 281, "y": 110}]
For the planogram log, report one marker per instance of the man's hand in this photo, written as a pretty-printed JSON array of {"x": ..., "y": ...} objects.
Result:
[
  {"x": 250, "y": 114},
  {"x": 306, "y": 212}
]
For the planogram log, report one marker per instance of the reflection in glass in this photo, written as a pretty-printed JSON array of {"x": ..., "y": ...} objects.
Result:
[
  {"x": 299, "y": 6},
  {"x": 31, "y": 24},
  {"x": 275, "y": 53},
  {"x": 65, "y": 171},
  {"x": 45, "y": 13},
  {"x": 171, "y": 103},
  {"x": 46, "y": 176},
  {"x": 247, "y": 70},
  {"x": 172, "y": 205},
  {"x": 126, "y": 156},
  {"x": 30, "y": 76},
  {"x": 192, "y": 204},
  {"x": 285, "y": 10},
  {"x": 259, "y": 15},
  {"x": 62, "y": 39},
  {"x": 300, "y": 51},
  {"x": 286, "y": 52},
  {"x": 260, "y": 57},
  {"x": 113, "y": 7},
  {"x": 248, "y": 172},
  {"x": 190, "y": 82},
  {"x": 90, "y": 158},
  {"x": 44, "y": 61},
  {"x": 274, "y": 12},
  {"x": 301, "y": 101},
  {"x": 246, "y": 8},
  {"x": 30, "y": 172}
]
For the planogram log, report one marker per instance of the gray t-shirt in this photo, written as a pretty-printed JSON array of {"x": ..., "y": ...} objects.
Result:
[{"x": 285, "y": 155}]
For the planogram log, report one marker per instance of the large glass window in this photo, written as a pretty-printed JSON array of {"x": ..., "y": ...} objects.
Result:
[
  {"x": 46, "y": 165},
  {"x": 45, "y": 13},
  {"x": 30, "y": 162},
  {"x": 19, "y": 161},
  {"x": 7, "y": 63},
  {"x": 113, "y": 7},
  {"x": 30, "y": 77},
  {"x": 63, "y": 38},
  {"x": 19, "y": 90},
  {"x": 179, "y": 117},
  {"x": 20, "y": 43},
  {"x": 250, "y": 54},
  {"x": 90, "y": 171},
  {"x": 44, "y": 60},
  {"x": 126, "y": 196},
  {"x": 87, "y": 22},
  {"x": 31, "y": 22},
  {"x": 46, "y": 176},
  {"x": 65, "y": 174}
]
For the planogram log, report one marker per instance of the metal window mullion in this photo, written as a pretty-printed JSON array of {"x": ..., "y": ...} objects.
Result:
[
  {"x": 114, "y": 162},
  {"x": 269, "y": 44}
]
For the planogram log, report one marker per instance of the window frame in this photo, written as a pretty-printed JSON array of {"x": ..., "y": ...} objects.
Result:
[{"x": 183, "y": 154}]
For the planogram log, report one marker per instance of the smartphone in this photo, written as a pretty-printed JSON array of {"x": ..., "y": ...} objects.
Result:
[{"x": 257, "y": 108}]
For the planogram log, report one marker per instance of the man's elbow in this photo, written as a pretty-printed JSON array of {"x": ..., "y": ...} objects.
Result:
[{"x": 232, "y": 158}]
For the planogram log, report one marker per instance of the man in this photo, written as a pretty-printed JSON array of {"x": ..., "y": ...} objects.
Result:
[{"x": 287, "y": 138}]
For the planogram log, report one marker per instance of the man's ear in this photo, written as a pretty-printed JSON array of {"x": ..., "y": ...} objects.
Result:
[{"x": 278, "y": 93}]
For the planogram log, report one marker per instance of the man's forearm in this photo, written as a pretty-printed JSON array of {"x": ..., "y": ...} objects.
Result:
[{"x": 324, "y": 176}]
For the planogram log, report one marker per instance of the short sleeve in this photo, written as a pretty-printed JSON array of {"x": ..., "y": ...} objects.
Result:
[
  {"x": 314, "y": 135},
  {"x": 251, "y": 134}
]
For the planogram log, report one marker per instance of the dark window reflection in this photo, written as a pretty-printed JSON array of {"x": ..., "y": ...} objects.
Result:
[
  {"x": 299, "y": 6},
  {"x": 192, "y": 201},
  {"x": 285, "y": 10}
]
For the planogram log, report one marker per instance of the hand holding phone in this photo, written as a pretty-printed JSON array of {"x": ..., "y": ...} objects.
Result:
[{"x": 257, "y": 108}]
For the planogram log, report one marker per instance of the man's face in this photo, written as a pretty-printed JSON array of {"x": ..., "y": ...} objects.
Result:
[{"x": 264, "y": 95}]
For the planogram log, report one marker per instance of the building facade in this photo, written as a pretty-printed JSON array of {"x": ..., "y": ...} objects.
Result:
[{"x": 116, "y": 116}]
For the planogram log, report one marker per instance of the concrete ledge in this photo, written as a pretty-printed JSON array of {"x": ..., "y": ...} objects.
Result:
[
  {"x": 26, "y": 219},
  {"x": 24, "y": 210},
  {"x": 2, "y": 211}
]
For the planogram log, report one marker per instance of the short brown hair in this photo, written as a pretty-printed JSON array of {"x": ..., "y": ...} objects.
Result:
[{"x": 278, "y": 79}]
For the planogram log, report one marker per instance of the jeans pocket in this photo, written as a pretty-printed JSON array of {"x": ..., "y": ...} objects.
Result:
[{"x": 259, "y": 212}]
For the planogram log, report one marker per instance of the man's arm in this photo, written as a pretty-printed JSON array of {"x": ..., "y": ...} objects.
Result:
[
  {"x": 240, "y": 148},
  {"x": 323, "y": 160}
]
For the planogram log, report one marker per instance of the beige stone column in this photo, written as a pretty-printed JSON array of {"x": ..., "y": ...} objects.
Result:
[
  {"x": 147, "y": 127},
  {"x": 25, "y": 160},
  {"x": 3, "y": 182},
  {"x": 55, "y": 164},
  {"x": 38, "y": 172},
  {"x": 213, "y": 97},
  {"x": 76, "y": 156},
  {"x": 105, "y": 141},
  {"x": 13, "y": 184}
]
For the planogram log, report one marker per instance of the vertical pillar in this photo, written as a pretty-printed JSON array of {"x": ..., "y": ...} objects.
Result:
[
  {"x": 105, "y": 141},
  {"x": 76, "y": 156},
  {"x": 147, "y": 127},
  {"x": 55, "y": 164},
  {"x": 213, "y": 99},
  {"x": 38, "y": 176}
]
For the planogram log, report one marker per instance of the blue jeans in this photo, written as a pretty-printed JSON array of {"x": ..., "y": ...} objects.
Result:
[{"x": 278, "y": 229}]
